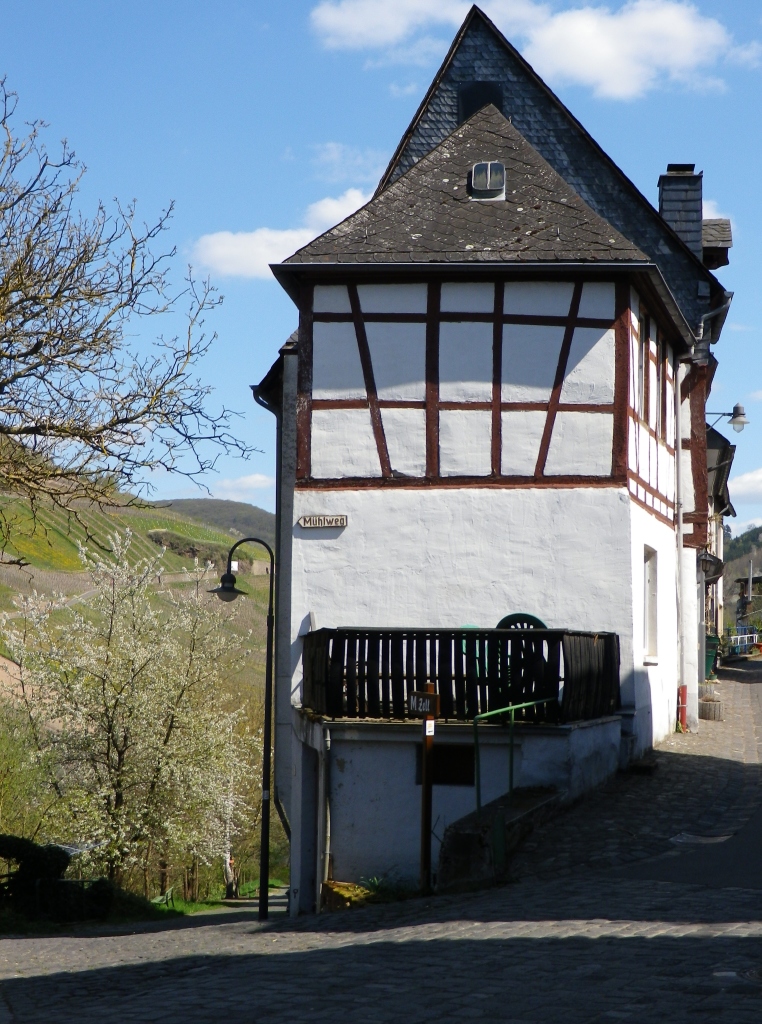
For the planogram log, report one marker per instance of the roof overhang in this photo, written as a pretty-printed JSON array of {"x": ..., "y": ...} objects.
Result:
[{"x": 646, "y": 276}]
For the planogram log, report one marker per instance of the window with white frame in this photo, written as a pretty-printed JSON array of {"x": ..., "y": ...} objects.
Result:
[{"x": 650, "y": 618}]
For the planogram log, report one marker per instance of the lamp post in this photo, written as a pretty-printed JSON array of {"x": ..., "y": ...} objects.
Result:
[{"x": 227, "y": 591}]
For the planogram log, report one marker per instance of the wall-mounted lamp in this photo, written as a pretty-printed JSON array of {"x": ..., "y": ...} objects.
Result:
[{"x": 736, "y": 418}]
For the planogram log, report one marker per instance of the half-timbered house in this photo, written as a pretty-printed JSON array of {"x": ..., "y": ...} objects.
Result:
[{"x": 493, "y": 404}]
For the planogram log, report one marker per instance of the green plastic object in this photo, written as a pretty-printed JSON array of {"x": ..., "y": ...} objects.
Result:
[
  {"x": 521, "y": 620},
  {"x": 712, "y": 644}
]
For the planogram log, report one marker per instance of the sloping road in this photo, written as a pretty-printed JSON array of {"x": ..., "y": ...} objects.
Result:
[{"x": 609, "y": 921}]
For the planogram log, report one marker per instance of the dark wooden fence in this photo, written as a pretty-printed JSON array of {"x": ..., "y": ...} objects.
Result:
[{"x": 368, "y": 673}]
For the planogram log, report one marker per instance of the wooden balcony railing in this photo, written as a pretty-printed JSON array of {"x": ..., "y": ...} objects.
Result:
[{"x": 369, "y": 673}]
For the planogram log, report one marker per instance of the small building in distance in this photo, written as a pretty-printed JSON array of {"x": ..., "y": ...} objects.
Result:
[{"x": 494, "y": 403}]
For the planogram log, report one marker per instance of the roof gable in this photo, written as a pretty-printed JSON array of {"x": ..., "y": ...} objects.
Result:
[
  {"x": 427, "y": 214},
  {"x": 481, "y": 53}
]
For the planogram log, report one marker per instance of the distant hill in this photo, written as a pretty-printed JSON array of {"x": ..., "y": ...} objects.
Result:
[
  {"x": 51, "y": 544},
  {"x": 237, "y": 518},
  {"x": 745, "y": 544},
  {"x": 738, "y": 551}
]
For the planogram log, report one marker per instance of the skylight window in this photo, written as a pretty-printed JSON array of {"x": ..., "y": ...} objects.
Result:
[{"x": 488, "y": 180}]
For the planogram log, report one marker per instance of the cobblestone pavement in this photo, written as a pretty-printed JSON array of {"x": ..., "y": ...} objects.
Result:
[{"x": 573, "y": 940}]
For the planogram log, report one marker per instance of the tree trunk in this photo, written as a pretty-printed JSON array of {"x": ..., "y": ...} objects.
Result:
[{"x": 231, "y": 881}]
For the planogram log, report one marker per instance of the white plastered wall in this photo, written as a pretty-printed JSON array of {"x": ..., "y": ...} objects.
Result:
[
  {"x": 581, "y": 443},
  {"x": 449, "y": 557},
  {"x": 653, "y": 685}
]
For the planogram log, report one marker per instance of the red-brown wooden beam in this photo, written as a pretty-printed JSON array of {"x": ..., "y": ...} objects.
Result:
[{"x": 370, "y": 382}]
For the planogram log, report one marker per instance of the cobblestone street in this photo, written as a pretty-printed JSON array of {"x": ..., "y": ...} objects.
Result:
[{"x": 607, "y": 920}]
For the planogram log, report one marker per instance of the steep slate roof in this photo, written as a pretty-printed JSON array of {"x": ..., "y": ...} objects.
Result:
[
  {"x": 428, "y": 216},
  {"x": 481, "y": 53}
]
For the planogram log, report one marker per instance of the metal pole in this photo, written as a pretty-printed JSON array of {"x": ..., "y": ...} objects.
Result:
[
  {"x": 266, "y": 756},
  {"x": 228, "y": 584},
  {"x": 426, "y": 797},
  {"x": 510, "y": 767},
  {"x": 477, "y": 766}
]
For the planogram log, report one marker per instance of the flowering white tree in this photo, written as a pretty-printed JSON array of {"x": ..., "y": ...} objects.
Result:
[{"x": 122, "y": 695}]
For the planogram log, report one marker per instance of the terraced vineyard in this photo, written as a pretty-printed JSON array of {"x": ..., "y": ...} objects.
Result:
[{"x": 52, "y": 543}]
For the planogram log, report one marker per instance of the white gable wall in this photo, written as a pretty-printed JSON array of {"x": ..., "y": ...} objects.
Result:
[
  {"x": 467, "y": 297},
  {"x": 581, "y": 444},
  {"x": 590, "y": 370},
  {"x": 343, "y": 444},
  {"x": 465, "y": 362},
  {"x": 522, "y": 434},
  {"x": 398, "y": 356},
  {"x": 405, "y": 431},
  {"x": 538, "y": 298},
  {"x": 336, "y": 366},
  {"x": 393, "y": 298},
  {"x": 465, "y": 442},
  {"x": 530, "y": 358}
]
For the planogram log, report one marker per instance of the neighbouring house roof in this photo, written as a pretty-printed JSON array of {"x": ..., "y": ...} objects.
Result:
[
  {"x": 716, "y": 233},
  {"x": 481, "y": 53},
  {"x": 719, "y": 461},
  {"x": 427, "y": 214}
]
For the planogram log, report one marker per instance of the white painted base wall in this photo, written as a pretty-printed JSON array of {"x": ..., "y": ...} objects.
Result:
[
  {"x": 446, "y": 558},
  {"x": 375, "y": 804}
]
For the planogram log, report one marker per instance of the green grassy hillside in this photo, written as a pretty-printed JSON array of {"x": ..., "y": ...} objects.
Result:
[
  {"x": 234, "y": 517},
  {"x": 744, "y": 544},
  {"x": 51, "y": 543}
]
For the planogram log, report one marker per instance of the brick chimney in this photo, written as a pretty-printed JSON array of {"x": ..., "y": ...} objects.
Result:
[{"x": 681, "y": 203}]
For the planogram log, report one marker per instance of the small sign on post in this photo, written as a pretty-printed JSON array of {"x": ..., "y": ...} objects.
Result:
[{"x": 422, "y": 704}]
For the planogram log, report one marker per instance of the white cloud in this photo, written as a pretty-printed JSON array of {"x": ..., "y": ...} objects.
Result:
[
  {"x": 756, "y": 396},
  {"x": 337, "y": 162},
  {"x": 711, "y": 210},
  {"x": 624, "y": 54},
  {"x": 747, "y": 486},
  {"x": 619, "y": 54},
  {"x": 738, "y": 528},
  {"x": 368, "y": 24},
  {"x": 243, "y": 488},
  {"x": 250, "y": 253},
  {"x": 401, "y": 91}
]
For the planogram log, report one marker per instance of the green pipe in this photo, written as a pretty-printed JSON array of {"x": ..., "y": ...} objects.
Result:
[{"x": 512, "y": 708}]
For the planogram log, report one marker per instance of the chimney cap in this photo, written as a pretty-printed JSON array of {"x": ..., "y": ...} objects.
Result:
[{"x": 681, "y": 168}]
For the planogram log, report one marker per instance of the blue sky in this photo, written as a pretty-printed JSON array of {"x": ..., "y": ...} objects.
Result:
[{"x": 267, "y": 122}]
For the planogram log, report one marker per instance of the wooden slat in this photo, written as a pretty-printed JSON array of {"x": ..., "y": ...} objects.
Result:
[
  {"x": 386, "y": 645},
  {"x": 362, "y": 675},
  {"x": 398, "y": 676},
  {"x": 335, "y": 702},
  {"x": 472, "y": 675},
  {"x": 372, "y": 680},
  {"x": 409, "y": 664},
  {"x": 458, "y": 654},
  {"x": 351, "y": 711}
]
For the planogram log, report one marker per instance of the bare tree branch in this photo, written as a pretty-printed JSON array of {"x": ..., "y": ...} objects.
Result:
[{"x": 84, "y": 416}]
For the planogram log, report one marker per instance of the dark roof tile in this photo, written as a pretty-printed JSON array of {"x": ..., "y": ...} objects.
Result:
[
  {"x": 427, "y": 214},
  {"x": 481, "y": 52}
]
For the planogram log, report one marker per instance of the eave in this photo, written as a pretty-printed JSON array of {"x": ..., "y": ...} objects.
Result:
[{"x": 646, "y": 276}]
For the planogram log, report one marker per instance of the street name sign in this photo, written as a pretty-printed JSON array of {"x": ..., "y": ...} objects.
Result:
[{"x": 315, "y": 522}]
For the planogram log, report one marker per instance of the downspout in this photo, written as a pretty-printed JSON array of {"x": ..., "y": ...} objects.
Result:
[
  {"x": 679, "y": 509},
  {"x": 323, "y": 869}
]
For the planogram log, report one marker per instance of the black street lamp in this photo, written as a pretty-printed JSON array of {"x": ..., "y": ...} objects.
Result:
[{"x": 227, "y": 591}]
